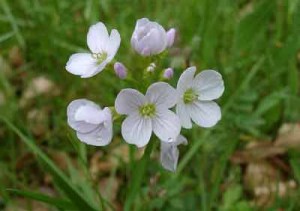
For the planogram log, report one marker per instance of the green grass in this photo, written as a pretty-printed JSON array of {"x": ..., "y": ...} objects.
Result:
[{"x": 253, "y": 44}]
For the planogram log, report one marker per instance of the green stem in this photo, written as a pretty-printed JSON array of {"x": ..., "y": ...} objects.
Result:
[{"x": 138, "y": 173}]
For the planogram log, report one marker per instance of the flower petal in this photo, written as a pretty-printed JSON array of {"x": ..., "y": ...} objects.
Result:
[
  {"x": 97, "y": 37},
  {"x": 186, "y": 80},
  {"x": 89, "y": 114},
  {"x": 78, "y": 125},
  {"x": 209, "y": 85},
  {"x": 166, "y": 124},
  {"x": 169, "y": 156},
  {"x": 162, "y": 95},
  {"x": 184, "y": 115},
  {"x": 136, "y": 130},
  {"x": 169, "y": 152},
  {"x": 96, "y": 70},
  {"x": 101, "y": 136},
  {"x": 205, "y": 113},
  {"x": 81, "y": 63},
  {"x": 113, "y": 44},
  {"x": 128, "y": 101}
]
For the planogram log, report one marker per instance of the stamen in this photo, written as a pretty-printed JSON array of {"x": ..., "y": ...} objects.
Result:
[
  {"x": 147, "y": 110},
  {"x": 100, "y": 57},
  {"x": 189, "y": 96}
]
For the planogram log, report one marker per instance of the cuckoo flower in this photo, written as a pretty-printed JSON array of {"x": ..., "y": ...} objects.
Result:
[
  {"x": 148, "y": 113},
  {"x": 103, "y": 48},
  {"x": 169, "y": 152},
  {"x": 196, "y": 95},
  {"x": 92, "y": 124},
  {"x": 149, "y": 38}
]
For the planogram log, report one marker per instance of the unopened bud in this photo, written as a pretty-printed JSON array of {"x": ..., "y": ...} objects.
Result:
[
  {"x": 120, "y": 70},
  {"x": 168, "y": 73},
  {"x": 151, "y": 67}
]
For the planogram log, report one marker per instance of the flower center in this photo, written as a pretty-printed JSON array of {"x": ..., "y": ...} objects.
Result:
[
  {"x": 100, "y": 57},
  {"x": 189, "y": 96},
  {"x": 147, "y": 110}
]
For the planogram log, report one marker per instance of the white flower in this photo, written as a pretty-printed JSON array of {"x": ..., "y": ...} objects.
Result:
[
  {"x": 92, "y": 124},
  {"x": 103, "y": 48},
  {"x": 196, "y": 95},
  {"x": 148, "y": 113},
  {"x": 148, "y": 38},
  {"x": 169, "y": 152}
]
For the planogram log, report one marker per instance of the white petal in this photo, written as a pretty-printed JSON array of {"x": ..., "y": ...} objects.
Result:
[
  {"x": 169, "y": 156},
  {"x": 90, "y": 114},
  {"x": 81, "y": 63},
  {"x": 166, "y": 124},
  {"x": 97, "y": 38},
  {"x": 186, "y": 80},
  {"x": 142, "y": 22},
  {"x": 162, "y": 95},
  {"x": 169, "y": 153},
  {"x": 113, "y": 44},
  {"x": 101, "y": 136},
  {"x": 136, "y": 130},
  {"x": 205, "y": 113},
  {"x": 181, "y": 140},
  {"x": 209, "y": 85},
  {"x": 128, "y": 101},
  {"x": 184, "y": 115},
  {"x": 96, "y": 70},
  {"x": 80, "y": 126}
]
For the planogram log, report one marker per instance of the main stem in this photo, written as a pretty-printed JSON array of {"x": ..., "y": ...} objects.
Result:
[{"x": 137, "y": 176}]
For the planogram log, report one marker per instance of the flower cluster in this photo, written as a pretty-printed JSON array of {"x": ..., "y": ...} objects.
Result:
[{"x": 162, "y": 110}]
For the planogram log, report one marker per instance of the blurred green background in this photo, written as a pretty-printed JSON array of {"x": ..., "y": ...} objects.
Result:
[{"x": 249, "y": 161}]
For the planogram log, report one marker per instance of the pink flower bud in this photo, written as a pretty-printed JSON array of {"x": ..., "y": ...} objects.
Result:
[
  {"x": 168, "y": 73},
  {"x": 120, "y": 70},
  {"x": 171, "y": 37},
  {"x": 149, "y": 38}
]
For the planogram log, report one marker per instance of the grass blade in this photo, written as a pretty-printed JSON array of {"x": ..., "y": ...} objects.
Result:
[
  {"x": 59, "y": 203},
  {"x": 58, "y": 175}
]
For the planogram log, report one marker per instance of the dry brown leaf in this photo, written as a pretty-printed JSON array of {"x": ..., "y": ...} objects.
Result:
[
  {"x": 289, "y": 136},
  {"x": 38, "y": 121},
  {"x": 39, "y": 86},
  {"x": 15, "y": 57},
  {"x": 256, "y": 151},
  {"x": 5, "y": 67},
  {"x": 100, "y": 164},
  {"x": 21, "y": 204},
  {"x": 265, "y": 183}
]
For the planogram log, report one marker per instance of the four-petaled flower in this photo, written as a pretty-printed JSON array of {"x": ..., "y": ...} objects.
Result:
[
  {"x": 93, "y": 125},
  {"x": 196, "y": 95},
  {"x": 103, "y": 49},
  {"x": 148, "y": 113}
]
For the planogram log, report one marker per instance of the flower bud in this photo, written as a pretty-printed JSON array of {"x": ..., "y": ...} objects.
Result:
[
  {"x": 171, "y": 37},
  {"x": 151, "y": 67},
  {"x": 149, "y": 38},
  {"x": 168, "y": 73},
  {"x": 120, "y": 70}
]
